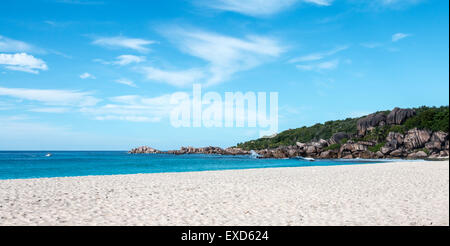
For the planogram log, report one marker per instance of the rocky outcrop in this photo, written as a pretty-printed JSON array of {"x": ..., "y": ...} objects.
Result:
[
  {"x": 439, "y": 136},
  {"x": 321, "y": 143},
  {"x": 329, "y": 154},
  {"x": 191, "y": 150},
  {"x": 353, "y": 147},
  {"x": 210, "y": 150},
  {"x": 386, "y": 150},
  {"x": 398, "y": 153},
  {"x": 399, "y": 138},
  {"x": 416, "y": 138},
  {"x": 417, "y": 155},
  {"x": 367, "y": 155},
  {"x": 310, "y": 150},
  {"x": 338, "y": 137},
  {"x": 369, "y": 122},
  {"x": 398, "y": 116},
  {"x": 433, "y": 146},
  {"x": 415, "y": 143},
  {"x": 236, "y": 151},
  {"x": 144, "y": 150}
]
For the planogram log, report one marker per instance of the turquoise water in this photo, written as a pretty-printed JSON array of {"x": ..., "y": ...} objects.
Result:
[{"x": 34, "y": 164}]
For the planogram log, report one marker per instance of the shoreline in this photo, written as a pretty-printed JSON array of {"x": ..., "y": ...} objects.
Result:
[
  {"x": 357, "y": 162},
  {"x": 397, "y": 193}
]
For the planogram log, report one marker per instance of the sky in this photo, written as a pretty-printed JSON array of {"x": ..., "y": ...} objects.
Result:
[{"x": 99, "y": 75}]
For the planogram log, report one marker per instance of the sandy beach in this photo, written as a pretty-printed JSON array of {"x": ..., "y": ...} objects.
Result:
[{"x": 399, "y": 193}]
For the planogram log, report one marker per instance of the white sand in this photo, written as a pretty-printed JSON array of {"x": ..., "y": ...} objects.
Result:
[{"x": 404, "y": 193}]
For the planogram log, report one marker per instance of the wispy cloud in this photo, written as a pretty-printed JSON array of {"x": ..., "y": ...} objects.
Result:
[
  {"x": 22, "y": 62},
  {"x": 128, "y": 59},
  {"x": 386, "y": 45},
  {"x": 398, "y": 36},
  {"x": 59, "y": 24},
  {"x": 132, "y": 108},
  {"x": 11, "y": 45},
  {"x": 124, "y": 42},
  {"x": 395, "y": 3},
  {"x": 320, "y": 2},
  {"x": 318, "y": 56},
  {"x": 87, "y": 76},
  {"x": 49, "y": 110},
  {"x": 313, "y": 62},
  {"x": 230, "y": 55},
  {"x": 257, "y": 7},
  {"x": 124, "y": 81},
  {"x": 51, "y": 97},
  {"x": 123, "y": 60},
  {"x": 318, "y": 67},
  {"x": 177, "y": 78}
]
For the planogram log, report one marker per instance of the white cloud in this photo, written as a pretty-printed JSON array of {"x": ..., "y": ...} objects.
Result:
[
  {"x": 178, "y": 78},
  {"x": 307, "y": 61},
  {"x": 398, "y": 36},
  {"x": 318, "y": 56},
  {"x": 230, "y": 54},
  {"x": 11, "y": 45},
  {"x": 50, "y": 110},
  {"x": 133, "y": 108},
  {"x": 126, "y": 82},
  {"x": 123, "y": 60},
  {"x": 305, "y": 67},
  {"x": 51, "y": 97},
  {"x": 22, "y": 62},
  {"x": 396, "y": 3},
  {"x": 129, "y": 118},
  {"x": 257, "y": 7},
  {"x": 318, "y": 67},
  {"x": 124, "y": 42},
  {"x": 128, "y": 59},
  {"x": 320, "y": 2},
  {"x": 328, "y": 65},
  {"x": 87, "y": 76}
]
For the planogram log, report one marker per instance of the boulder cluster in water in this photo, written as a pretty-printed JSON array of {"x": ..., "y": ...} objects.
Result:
[
  {"x": 191, "y": 150},
  {"x": 414, "y": 144}
]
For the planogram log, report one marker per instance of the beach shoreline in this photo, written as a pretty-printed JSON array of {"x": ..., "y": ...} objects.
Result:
[{"x": 396, "y": 193}]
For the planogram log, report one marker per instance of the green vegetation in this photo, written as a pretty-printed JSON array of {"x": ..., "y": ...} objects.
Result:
[
  {"x": 432, "y": 118},
  {"x": 435, "y": 119},
  {"x": 427, "y": 151},
  {"x": 343, "y": 141},
  {"x": 303, "y": 134},
  {"x": 377, "y": 147},
  {"x": 380, "y": 133},
  {"x": 333, "y": 147}
]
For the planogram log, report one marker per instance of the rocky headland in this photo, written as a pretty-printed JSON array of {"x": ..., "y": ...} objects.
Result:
[{"x": 379, "y": 135}]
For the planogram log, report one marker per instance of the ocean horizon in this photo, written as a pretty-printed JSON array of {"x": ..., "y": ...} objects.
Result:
[{"x": 35, "y": 164}]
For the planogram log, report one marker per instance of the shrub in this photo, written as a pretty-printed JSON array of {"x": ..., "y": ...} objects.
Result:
[
  {"x": 432, "y": 118},
  {"x": 333, "y": 147},
  {"x": 377, "y": 147}
]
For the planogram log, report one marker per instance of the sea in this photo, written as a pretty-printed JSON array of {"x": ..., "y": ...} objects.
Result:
[{"x": 37, "y": 164}]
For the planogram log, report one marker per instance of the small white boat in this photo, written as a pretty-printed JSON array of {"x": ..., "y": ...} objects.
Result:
[
  {"x": 306, "y": 158},
  {"x": 48, "y": 155}
]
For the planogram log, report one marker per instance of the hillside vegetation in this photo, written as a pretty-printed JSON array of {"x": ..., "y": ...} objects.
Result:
[{"x": 430, "y": 118}]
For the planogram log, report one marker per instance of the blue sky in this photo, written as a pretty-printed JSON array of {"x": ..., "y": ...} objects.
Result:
[{"x": 97, "y": 74}]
